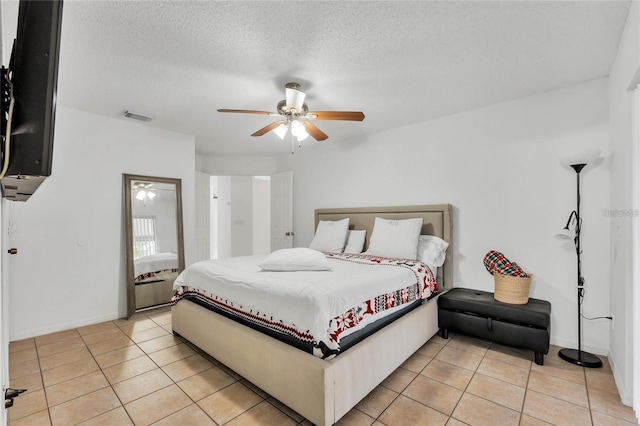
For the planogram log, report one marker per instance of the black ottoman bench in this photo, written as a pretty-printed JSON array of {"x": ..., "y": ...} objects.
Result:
[{"x": 477, "y": 313}]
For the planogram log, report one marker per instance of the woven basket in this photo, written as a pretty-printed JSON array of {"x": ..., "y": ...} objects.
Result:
[{"x": 514, "y": 290}]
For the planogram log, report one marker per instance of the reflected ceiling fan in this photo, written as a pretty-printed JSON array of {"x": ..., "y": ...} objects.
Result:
[{"x": 295, "y": 116}]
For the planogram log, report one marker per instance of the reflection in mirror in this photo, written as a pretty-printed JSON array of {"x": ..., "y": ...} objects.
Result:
[{"x": 154, "y": 240}]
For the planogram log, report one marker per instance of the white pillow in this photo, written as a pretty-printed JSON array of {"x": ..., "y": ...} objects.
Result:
[
  {"x": 355, "y": 241},
  {"x": 331, "y": 236},
  {"x": 295, "y": 259},
  {"x": 395, "y": 238},
  {"x": 432, "y": 250}
]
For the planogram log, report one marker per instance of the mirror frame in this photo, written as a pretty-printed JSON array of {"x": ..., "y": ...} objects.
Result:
[{"x": 127, "y": 180}]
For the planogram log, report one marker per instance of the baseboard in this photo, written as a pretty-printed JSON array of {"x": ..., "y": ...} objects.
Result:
[
  {"x": 596, "y": 350},
  {"x": 626, "y": 393}
]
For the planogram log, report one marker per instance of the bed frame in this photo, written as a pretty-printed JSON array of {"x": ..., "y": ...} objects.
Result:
[{"x": 323, "y": 391}]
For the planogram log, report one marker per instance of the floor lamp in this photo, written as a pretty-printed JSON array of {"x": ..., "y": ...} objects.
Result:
[{"x": 578, "y": 356}]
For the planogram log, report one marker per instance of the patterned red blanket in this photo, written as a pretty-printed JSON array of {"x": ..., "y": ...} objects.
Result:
[{"x": 366, "y": 312}]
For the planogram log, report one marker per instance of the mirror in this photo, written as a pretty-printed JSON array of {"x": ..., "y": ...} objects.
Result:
[{"x": 154, "y": 240}]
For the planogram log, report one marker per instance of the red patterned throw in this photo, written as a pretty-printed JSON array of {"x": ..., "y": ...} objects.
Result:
[{"x": 495, "y": 261}]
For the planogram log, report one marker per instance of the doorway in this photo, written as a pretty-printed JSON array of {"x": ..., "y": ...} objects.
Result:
[{"x": 240, "y": 216}]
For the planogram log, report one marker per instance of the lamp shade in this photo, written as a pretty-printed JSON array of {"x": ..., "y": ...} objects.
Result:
[
  {"x": 564, "y": 235},
  {"x": 580, "y": 157},
  {"x": 281, "y": 130},
  {"x": 294, "y": 99}
]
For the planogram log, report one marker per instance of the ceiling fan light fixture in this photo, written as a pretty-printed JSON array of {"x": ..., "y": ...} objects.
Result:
[
  {"x": 294, "y": 99},
  {"x": 141, "y": 194},
  {"x": 281, "y": 130},
  {"x": 298, "y": 130},
  {"x": 151, "y": 195}
]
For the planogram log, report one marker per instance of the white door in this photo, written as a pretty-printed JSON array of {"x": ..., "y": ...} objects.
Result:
[
  {"x": 203, "y": 216},
  {"x": 282, "y": 211}
]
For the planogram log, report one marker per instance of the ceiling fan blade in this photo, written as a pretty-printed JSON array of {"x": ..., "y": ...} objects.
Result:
[
  {"x": 314, "y": 131},
  {"x": 246, "y": 111},
  {"x": 267, "y": 128},
  {"x": 336, "y": 115},
  {"x": 294, "y": 98}
]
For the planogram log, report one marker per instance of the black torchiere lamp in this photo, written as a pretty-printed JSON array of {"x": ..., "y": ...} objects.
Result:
[{"x": 578, "y": 356}]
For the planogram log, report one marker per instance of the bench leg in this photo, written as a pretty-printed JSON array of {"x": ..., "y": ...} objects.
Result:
[
  {"x": 539, "y": 358},
  {"x": 444, "y": 333}
]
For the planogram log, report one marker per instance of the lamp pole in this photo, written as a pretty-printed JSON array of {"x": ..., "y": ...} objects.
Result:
[{"x": 579, "y": 357}]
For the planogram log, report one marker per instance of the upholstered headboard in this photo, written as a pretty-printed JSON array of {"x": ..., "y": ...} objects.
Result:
[{"x": 436, "y": 220}]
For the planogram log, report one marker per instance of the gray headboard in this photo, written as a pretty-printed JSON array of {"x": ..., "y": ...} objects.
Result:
[{"x": 436, "y": 221}]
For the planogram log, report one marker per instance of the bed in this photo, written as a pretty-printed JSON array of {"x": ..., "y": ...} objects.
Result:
[
  {"x": 153, "y": 278},
  {"x": 323, "y": 390}
]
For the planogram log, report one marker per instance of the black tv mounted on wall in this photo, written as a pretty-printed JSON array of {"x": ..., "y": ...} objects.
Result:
[{"x": 28, "y": 99}]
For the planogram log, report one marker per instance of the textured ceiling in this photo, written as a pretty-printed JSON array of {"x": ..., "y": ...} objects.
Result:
[{"x": 398, "y": 62}]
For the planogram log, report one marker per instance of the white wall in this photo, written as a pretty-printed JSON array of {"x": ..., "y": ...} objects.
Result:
[
  {"x": 241, "y": 215},
  {"x": 622, "y": 81},
  {"x": 499, "y": 168},
  {"x": 70, "y": 269},
  {"x": 236, "y": 165},
  {"x": 261, "y": 214}
]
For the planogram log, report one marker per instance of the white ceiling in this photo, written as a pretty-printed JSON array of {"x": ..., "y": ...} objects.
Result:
[{"x": 398, "y": 62}]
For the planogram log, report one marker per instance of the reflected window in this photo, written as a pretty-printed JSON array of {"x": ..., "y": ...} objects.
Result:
[{"x": 145, "y": 237}]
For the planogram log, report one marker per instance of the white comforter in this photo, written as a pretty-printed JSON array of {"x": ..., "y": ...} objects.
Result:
[
  {"x": 155, "y": 263},
  {"x": 309, "y": 300}
]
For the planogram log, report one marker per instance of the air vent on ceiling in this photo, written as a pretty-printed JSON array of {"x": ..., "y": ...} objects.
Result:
[{"x": 136, "y": 116}]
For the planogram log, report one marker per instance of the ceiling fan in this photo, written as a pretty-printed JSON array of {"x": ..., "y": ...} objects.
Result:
[{"x": 295, "y": 115}]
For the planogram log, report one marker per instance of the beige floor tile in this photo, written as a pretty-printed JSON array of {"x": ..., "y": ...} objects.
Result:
[
  {"x": 21, "y": 345},
  {"x": 449, "y": 374},
  {"x": 601, "y": 419},
  {"x": 41, "y": 418},
  {"x": 69, "y": 371},
  {"x": 110, "y": 345},
  {"x": 610, "y": 404},
  {"x": 229, "y": 403},
  {"x": 102, "y": 336},
  {"x": 27, "y": 404},
  {"x": 506, "y": 372},
  {"x": 128, "y": 369},
  {"x": 158, "y": 405},
  {"x": 263, "y": 414},
  {"x": 255, "y": 388},
  {"x": 64, "y": 358},
  {"x": 162, "y": 318},
  {"x": 56, "y": 337},
  {"x": 116, "y": 417},
  {"x": 187, "y": 367},
  {"x": 191, "y": 415},
  {"x": 454, "y": 422},
  {"x": 171, "y": 354},
  {"x": 459, "y": 357},
  {"x": 31, "y": 382},
  {"x": 288, "y": 411},
  {"x": 84, "y": 408},
  {"x": 399, "y": 379},
  {"x": 355, "y": 418},
  {"x": 66, "y": 391},
  {"x": 477, "y": 411},
  {"x": 562, "y": 369},
  {"x": 132, "y": 326},
  {"x": 22, "y": 369},
  {"x": 118, "y": 356},
  {"x": 168, "y": 328},
  {"x": 469, "y": 344},
  {"x": 205, "y": 383},
  {"x": 558, "y": 388},
  {"x": 554, "y": 410},
  {"x": 416, "y": 362},
  {"x": 407, "y": 412},
  {"x": 22, "y": 356},
  {"x": 494, "y": 390},
  {"x": 518, "y": 357},
  {"x": 438, "y": 339},
  {"x": 430, "y": 349},
  {"x": 434, "y": 394},
  {"x": 139, "y": 386},
  {"x": 596, "y": 379},
  {"x": 159, "y": 343},
  {"x": 531, "y": 421},
  {"x": 376, "y": 401},
  {"x": 96, "y": 328},
  {"x": 149, "y": 334},
  {"x": 60, "y": 346}
]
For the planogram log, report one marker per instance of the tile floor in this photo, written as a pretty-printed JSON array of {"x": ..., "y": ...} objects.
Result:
[{"x": 136, "y": 372}]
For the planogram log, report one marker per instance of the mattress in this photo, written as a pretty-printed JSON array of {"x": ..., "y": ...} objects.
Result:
[
  {"x": 318, "y": 311},
  {"x": 155, "y": 267}
]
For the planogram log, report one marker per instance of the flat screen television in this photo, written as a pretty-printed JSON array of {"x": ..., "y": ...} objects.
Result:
[{"x": 33, "y": 74}]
